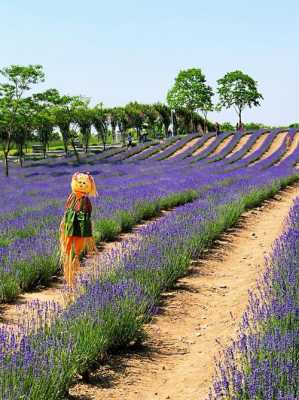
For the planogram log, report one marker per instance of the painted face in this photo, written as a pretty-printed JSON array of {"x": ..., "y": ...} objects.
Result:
[{"x": 81, "y": 183}]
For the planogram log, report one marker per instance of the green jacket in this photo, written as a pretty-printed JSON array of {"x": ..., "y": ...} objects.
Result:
[{"x": 77, "y": 217}]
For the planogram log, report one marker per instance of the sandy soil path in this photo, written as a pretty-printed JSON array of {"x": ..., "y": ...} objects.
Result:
[
  {"x": 13, "y": 313},
  {"x": 292, "y": 148},
  {"x": 221, "y": 146},
  {"x": 277, "y": 142},
  {"x": 256, "y": 145},
  {"x": 185, "y": 147},
  {"x": 205, "y": 146},
  {"x": 239, "y": 146},
  {"x": 203, "y": 309}
]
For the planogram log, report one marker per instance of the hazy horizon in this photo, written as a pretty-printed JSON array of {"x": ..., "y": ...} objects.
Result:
[{"x": 119, "y": 52}]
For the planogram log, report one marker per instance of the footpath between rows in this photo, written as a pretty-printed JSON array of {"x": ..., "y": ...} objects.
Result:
[{"x": 198, "y": 317}]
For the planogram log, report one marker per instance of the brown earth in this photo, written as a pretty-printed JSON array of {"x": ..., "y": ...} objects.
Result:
[
  {"x": 242, "y": 142},
  {"x": 185, "y": 147},
  {"x": 291, "y": 149},
  {"x": 203, "y": 310},
  {"x": 277, "y": 142},
  {"x": 256, "y": 144},
  {"x": 221, "y": 146},
  {"x": 204, "y": 146}
]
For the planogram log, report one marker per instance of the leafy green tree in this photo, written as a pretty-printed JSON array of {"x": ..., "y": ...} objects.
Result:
[
  {"x": 19, "y": 80},
  {"x": 24, "y": 125},
  {"x": 100, "y": 121},
  {"x": 83, "y": 116},
  {"x": 239, "y": 91},
  {"x": 136, "y": 117},
  {"x": 227, "y": 127},
  {"x": 190, "y": 91},
  {"x": 66, "y": 109},
  {"x": 164, "y": 115},
  {"x": 183, "y": 120},
  {"x": 120, "y": 116},
  {"x": 44, "y": 119}
]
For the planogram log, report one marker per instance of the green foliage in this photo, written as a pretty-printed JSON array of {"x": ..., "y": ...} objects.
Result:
[
  {"x": 254, "y": 126},
  {"x": 227, "y": 127},
  {"x": 238, "y": 90},
  {"x": 164, "y": 114},
  {"x": 16, "y": 111},
  {"x": 294, "y": 125},
  {"x": 190, "y": 91},
  {"x": 100, "y": 119}
]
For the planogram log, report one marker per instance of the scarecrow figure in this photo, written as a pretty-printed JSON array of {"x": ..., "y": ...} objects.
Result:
[{"x": 75, "y": 228}]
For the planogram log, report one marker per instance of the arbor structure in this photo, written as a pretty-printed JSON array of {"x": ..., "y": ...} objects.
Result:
[{"x": 239, "y": 91}]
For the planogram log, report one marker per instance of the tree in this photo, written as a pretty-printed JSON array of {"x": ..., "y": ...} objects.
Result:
[
  {"x": 135, "y": 116},
  {"x": 119, "y": 114},
  {"x": 84, "y": 118},
  {"x": 44, "y": 119},
  {"x": 24, "y": 125},
  {"x": 65, "y": 110},
  {"x": 239, "y": 91},
  {"x": 190, "y": 91},
  {"x": 19, "y": 80},
  {"x": 100, "y": 122},
  {"x": 164, "y": 115}
]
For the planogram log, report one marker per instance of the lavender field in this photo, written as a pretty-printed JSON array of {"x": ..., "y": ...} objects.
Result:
[{"x": 205, "y": 192}]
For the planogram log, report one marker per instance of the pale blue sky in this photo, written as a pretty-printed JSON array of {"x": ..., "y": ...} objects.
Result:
[{"x": 118, "y": 51}]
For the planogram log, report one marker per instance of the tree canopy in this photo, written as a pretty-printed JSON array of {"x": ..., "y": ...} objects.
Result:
[
  {"x": 239, "y": 91},
  {"x": 191, "y": 91}
]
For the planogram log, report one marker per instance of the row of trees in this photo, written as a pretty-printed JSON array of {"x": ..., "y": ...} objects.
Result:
[
  {"x": 25, "y": 115},
  {"x": 235, "y": 89}
]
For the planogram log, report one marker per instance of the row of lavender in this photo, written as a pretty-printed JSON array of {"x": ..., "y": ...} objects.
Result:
[
  {"x": 263, "y": 362},
  {"x": 30, "y": 217},
  {"x": 110, "y": 309},
  {"x": 29, "y": 220}
]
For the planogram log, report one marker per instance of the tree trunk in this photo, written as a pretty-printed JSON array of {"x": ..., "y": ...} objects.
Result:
[
  {"x": 205, "y": 124},
  {"x": 86, "y": 140},
  {"x": 165, "y": 129},
  {"x": 113, "y": 133},
  {"x": 65, "y": 140},
  {"x": 65, "y": 147},
  {"x": 75, "y": 151},
  {"x": 21, "y": 155},
  {"x": 138, "y": 134},
  {"x": 6, "y": 162},
  {"x": 240, "y": 119},
  {"x": 123, "y": 138}
]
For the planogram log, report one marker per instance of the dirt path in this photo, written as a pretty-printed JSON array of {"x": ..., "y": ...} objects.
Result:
[
  {"x": 292, "y": 148},
  {"x": 221, "y": 146},
  {"x": 277, "y": 142},
  {"x": 185, "y": 147},
  {"x": 257, "y": 144},
  {"x": 204, "y": 146},
  {"x": 13, "y": 313},
  {"x": 205, "y": 307},
  {"x": 242, "y": 142}
]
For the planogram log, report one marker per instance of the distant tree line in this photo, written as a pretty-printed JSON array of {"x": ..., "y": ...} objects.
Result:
[{"x": 27, "y": 116}]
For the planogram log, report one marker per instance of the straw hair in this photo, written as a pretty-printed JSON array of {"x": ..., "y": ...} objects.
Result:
[{"x": 93, "y": 191}]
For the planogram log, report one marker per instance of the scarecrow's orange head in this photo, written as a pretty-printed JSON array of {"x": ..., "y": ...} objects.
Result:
[{"x": 84, "y": 183}]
